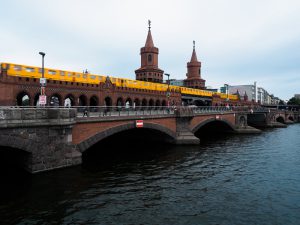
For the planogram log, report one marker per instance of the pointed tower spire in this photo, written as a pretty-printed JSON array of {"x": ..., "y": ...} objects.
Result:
[
  {"x": 149, "y": 70},
  {"x": 149, "y": 41},
  {"x": 194, "y": 72},
  {"x": 194, "y": 55}
]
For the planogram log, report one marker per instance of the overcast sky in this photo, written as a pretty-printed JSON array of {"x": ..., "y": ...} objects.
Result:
[{"x": 237, "y": 41}]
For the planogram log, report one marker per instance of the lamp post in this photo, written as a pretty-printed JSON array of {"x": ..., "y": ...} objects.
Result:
[
  {"x": 43, "y": 98},
  {"x": 168, "y": 90},
  {"x": 227, "y": 91}
]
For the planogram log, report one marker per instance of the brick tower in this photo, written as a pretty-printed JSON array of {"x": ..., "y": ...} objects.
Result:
[
  {"x": 193, "y": 79},
  {"x": 149, "y": 70}
]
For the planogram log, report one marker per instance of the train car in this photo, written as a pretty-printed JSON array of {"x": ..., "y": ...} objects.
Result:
[{"x": 70, "y": 76}]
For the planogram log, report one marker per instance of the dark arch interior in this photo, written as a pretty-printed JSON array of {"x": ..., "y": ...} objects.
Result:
[
  {"x": 108, "y": 101},
  {"x": 12, "y": 158},
  {"x": 127, "y": 145},
  {"x": 69, "y": 100},
  {"x": 120, "y": 102},
  {"x": 13, "y": 172},
  {"x": 55, "y": 100},
  {"x": 213, "y": 129},
  {"x": 93, "y": 101},
  {"x": 23, "y": 99},
  {"x": 82, "y": 100},
  {"x": 291, "y": 118},
  {"x": 36, "y": 99},
  {"x": 280, "y": 119}
]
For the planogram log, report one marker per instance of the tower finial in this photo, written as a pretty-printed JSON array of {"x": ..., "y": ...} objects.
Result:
[
  {"x": 149, "y": 23},
  {"x": 193, "y": 45}
]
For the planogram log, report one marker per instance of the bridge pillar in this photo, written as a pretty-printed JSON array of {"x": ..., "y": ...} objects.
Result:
[
  {"x": 45, "y": 135},
  {"x": 241, "y": 125},
  {"x": 184, "y": 135}
]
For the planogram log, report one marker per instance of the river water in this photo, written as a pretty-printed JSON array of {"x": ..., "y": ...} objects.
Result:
[{"x": 231, "y": 179}]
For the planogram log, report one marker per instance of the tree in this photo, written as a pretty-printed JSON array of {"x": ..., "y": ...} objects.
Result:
[{"x": 294, "y": 101}]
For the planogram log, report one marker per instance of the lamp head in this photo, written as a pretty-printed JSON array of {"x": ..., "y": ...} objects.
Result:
[{"x": 42, "y": 54}]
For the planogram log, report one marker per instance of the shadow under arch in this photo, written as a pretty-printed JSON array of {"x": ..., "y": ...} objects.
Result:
[
  {"x": 213, "y": 126},
  {"x": 280, "y": 119},
  {"x": 16, "y": 151},
  {"x": 168, "y": 134}
]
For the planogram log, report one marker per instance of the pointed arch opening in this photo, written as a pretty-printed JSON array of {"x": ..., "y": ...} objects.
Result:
[
  {"x": 69, "y": 100},
  {"x": 82, "y": 100},
  {"x": 108, "y": 101},
  {"x": 55, "y": 100},
  {"x": 23, "y": 99}
]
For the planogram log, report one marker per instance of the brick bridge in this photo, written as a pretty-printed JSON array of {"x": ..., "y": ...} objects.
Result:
[{"x": 49, "y": 138}]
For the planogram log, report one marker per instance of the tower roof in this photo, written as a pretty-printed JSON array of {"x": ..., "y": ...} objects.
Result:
[
  {"x": 194, "y": 55},
  {"x": 149, "y": 41}
]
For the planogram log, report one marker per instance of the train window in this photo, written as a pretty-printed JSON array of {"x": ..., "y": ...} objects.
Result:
[
  {"x": 69, "y": 74},
  {"x": 51, "y": 72},
  {"x": 84, "y": 76},
  {"x": 92, "y": 77},
  {"x": 78, "y": 75},
  {"x": 17, "y": 68},
  {"x": 29, "y": 69},
  {"x": 62, "y": 73}
]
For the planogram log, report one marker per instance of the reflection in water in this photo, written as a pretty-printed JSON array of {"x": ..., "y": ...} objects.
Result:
[{"x": 232, "y": 179}]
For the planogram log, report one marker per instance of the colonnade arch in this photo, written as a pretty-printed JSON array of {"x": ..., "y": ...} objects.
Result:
[{"x": 24, "y": 98}]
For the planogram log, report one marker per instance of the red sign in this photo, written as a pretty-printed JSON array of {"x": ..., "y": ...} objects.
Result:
[
  {"x": 43, "y": 100},
  {"x": 139, "y": 123}
]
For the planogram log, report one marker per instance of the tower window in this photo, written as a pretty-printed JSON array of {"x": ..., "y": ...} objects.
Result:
[{"x": 149, "y": 58}]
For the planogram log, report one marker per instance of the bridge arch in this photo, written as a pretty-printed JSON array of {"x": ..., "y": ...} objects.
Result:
[
  {"x": 129, "y": 101},
  {"x": 137, "y": 102},
  {"x": 108, "y": 101},
  {"x": 151, "y": 102},
  {"x": 23, "y": 98},
  {"x": 36, "y": 99},
  {"x": 86, "y": 144},
  {"x": 206, "y": 125},
  {"x": 82, "y": 100},
  {"x": 290, "y": 117},
  {"x": 157, "y": 103},
  {"x": 144, "y": 102},
  {"x": 120, "y": 102},
  {"x": 94, "y": 101},
  {"x": 280, "y": 119},
  {"x": 69, "y": 100},
  {"x": 55, "y": 100}
]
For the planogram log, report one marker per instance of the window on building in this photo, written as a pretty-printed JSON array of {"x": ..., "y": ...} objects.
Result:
[{"x": 149, "y": 58}]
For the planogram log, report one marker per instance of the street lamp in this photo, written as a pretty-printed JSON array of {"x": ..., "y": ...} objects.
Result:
[
  {"x": 43, "y": 98},
  {"x": 227, "y": 91},
  {"x": 168, "y": 90}
]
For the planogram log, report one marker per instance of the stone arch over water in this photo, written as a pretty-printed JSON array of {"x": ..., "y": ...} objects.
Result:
[{"x": 86, "y": 144}]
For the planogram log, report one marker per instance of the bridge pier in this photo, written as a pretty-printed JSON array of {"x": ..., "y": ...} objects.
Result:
[
  {"x": 42, "y": 137},
  {"x": 241, "y": 125},
  {"x": 184, "y": 136}
]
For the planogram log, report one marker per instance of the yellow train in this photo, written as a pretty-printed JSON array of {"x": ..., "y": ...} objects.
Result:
[{"x": 62, "y": 75}]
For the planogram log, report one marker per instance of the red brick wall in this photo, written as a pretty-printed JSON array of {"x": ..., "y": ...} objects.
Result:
[
  {"x": 83, "y": 131},
  {"x": 200, "y": 119}
]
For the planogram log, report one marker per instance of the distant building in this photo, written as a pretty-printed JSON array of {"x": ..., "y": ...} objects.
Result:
[
  {"x": 249, "y": 90},
  {"x": 223, "y": 90},
  {"x": 263, "y": 96},
  {"x": 212, "y": 89},
  {"x": 297, "y": 96},
  {"x": 176, "y": 82}
]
